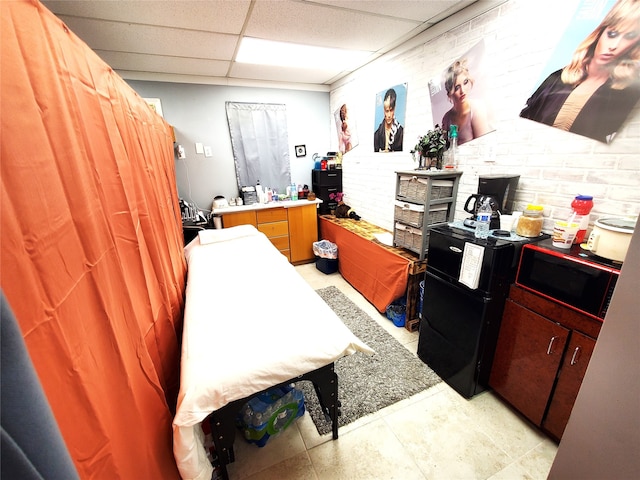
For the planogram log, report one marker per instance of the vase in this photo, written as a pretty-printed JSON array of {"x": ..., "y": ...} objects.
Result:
[
  {"x": 439, "y": 162},
  {"x": 422, "y": 163}
]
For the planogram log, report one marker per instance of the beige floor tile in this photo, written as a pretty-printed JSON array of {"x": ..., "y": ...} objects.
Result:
[
  {"x": 509, "y": 430},
  {"x": 445, "y": 444},
  {"x": 298, "y": 467},
  {"x": 251, "y": 459},
  {"x": 537, "y": 462},
  {"x": 369, "y": 452}
]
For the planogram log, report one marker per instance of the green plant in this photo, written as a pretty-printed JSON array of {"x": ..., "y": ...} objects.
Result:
[{"x": 432, "y": 145}]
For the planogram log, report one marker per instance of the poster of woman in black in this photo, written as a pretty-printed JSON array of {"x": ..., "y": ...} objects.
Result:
[
  {"x": 390, "y": 110},
  {"x": 593, "y": 94}
]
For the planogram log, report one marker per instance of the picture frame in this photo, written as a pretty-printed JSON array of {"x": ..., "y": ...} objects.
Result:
[
  {"x": 155, "y": 105},
  {"x": 301, "y": 150}
]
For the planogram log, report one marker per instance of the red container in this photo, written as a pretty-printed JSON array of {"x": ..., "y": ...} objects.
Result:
[{"x": 582, "y": 205}]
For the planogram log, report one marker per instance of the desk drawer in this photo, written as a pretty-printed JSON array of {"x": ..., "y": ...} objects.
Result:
[
  {"x": 326, "y": 178},
  {"x": 281, "y": 243},
  {"x": 271, "y": 215},
  {"x": 275, "y": 229}
]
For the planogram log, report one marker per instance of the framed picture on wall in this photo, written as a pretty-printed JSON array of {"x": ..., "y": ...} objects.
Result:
[
  {"x": 301, "y": 150},
  {"x": 155, "y": 105},
  {"x": 391, "y": 105}
]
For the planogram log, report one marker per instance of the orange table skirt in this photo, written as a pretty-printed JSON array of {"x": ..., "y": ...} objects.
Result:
[{"x": 379, "y": 272}]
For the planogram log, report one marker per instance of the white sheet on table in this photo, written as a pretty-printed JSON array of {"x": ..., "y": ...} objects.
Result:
[{"x": 250, "y": 322}]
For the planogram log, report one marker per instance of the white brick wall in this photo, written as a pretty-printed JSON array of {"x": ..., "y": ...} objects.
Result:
[{"x": 554, "y": 166}]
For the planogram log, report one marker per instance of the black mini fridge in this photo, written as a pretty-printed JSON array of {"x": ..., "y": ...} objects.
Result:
[{"x": 460, "y": 324}]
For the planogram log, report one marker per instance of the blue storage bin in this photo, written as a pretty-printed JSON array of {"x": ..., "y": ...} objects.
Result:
[{"x": 397, "y": 312}]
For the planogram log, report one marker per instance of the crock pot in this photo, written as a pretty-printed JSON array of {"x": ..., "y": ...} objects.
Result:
[
  {"x": 611, "y": 236},
  {"x": 220, "y": 202}
]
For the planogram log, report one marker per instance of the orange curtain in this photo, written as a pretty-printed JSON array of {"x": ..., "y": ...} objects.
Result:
[{"x": 91, "y": 247}]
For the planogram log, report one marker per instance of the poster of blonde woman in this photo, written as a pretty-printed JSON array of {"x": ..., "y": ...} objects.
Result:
[
  {"x": 459, "y": 97},
  {"x": 346, "y": 128},
  {"x": 592, "y": 81}
]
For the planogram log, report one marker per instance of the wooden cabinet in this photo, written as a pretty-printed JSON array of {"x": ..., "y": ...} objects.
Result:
[
  {"x": 303, "y": 231},
  {"x": 424, "y": 199},
  {"x": 574, "y": 366},
  {"x": 292, "y": 230},
  {"x": 273, "y": 222},
  {"x": 541, "y": 357}
]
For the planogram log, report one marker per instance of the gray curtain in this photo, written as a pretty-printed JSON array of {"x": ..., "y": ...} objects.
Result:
[{"x": 260, "y": 144}]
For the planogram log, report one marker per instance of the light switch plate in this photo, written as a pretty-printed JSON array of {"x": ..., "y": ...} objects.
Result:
[
  {"x": 208, "y": 152},
  {"x": 199, "y": 148}
]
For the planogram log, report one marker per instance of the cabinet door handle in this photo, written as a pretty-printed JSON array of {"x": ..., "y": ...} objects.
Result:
[
  {"x": 574, "y": 357},
  {"x": 550, "y": 347}
]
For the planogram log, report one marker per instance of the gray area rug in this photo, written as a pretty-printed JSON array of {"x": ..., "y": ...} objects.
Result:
[{"x": 367, "y": 383}]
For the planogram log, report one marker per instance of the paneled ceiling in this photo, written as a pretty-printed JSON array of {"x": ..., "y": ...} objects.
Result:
[{"x": 181, "y": 39}]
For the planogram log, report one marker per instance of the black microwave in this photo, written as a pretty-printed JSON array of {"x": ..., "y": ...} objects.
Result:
[{"x": 568, "y": 278}]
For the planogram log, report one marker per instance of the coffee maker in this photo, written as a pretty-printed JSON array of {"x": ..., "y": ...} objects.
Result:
[{"x": 500, "y": 190}]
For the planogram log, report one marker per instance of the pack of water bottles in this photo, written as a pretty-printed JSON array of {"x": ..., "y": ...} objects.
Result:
[{"x": 269, "y": 413}]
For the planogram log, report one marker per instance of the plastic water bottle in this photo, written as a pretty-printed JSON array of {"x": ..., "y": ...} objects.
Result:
[
  {"x": 294, "y": 192},
  {"x": 483, "y": 220}
]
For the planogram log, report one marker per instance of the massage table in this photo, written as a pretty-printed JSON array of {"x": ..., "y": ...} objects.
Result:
[{"x": 251, "y": 322}]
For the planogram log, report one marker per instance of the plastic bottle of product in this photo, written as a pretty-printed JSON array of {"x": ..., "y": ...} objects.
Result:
[
  {"x": 483, "y": 220},
  {"x": 294, "y": 191},
  {"x": 259, "y": 192},
  {"x": 452, "y": 153},
  {"x": 582, "y": 206}
]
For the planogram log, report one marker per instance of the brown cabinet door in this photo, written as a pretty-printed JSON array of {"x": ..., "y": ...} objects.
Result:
[
  {"x": 303, "y": 231},
  {"x": 527, "y": 358},
  {"x": 574, "y": 366}
]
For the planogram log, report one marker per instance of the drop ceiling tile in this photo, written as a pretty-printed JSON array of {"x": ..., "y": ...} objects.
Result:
[
  {"x": 305, "y": 23},
  {"x": 223, "y": 16},
  {"x": 127, "y": 37},
  {"x": 162, "y": 64},
  {"x": 417, "y": 10}
]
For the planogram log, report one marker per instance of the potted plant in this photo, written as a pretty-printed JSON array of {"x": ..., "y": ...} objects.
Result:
[
  {"x": 337, "y": 196},
  {"x": 432, "y": 145}
]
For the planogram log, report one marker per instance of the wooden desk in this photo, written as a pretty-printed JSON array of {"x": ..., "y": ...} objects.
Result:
[{"x": 379, "y": 272}]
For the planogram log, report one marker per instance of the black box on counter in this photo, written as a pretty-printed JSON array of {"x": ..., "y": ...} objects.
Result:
[{"x": 327, "y": 265}]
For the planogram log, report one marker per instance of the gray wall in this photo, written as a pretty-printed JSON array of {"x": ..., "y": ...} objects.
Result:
[{"x": 197, "y": 113}]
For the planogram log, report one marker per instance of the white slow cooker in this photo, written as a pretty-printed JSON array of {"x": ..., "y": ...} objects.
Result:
[
  {"x": 219, "y": 202},
  {"x": 611, "y": 236}
]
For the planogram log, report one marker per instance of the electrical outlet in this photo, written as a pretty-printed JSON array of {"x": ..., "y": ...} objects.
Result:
[{"x": 208, "y": 152}]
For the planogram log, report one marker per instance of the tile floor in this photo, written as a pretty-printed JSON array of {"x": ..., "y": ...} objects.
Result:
[{"x": 436, "y": 434}]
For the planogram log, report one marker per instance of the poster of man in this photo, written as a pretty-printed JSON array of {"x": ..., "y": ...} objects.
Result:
[
  {"x": 459, "y": 97},
  {"x": 391, "y": 105},
  {"x": 346, "y": 128},
  {"x": 592, "y": 81}
]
